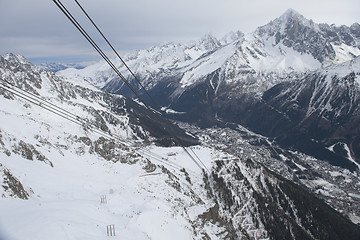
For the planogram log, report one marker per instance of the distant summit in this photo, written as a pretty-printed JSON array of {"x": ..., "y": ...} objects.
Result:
[
  {"x": 55, "y": 67},
  {"x": 293, "y": 30},
  {"x": 231, "y": 37},
  {"x": 209, "y": 42},
  {"x": 291, "y": 14}
]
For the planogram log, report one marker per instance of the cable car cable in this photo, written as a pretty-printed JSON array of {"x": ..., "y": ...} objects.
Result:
[{"x": 84, "y": 33}]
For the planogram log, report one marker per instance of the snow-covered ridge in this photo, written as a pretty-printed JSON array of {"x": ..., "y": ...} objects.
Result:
[
  {"x": 333, "y": 92},
  {"x": 281, "y": 23},
  {"x": 55, "y": 67},
  {"x": 345, "y": 68},
  {"x": 16, "y": 59},
  {"x": 147, "y": 63}
]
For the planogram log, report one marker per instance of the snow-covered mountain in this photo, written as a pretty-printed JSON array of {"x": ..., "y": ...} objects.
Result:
[
  {"x": 319, "y": 113},
  {"x": 55, "y": 67},
  {"x": 76, "y": 160},
  {"x": 150, "y": 63},
  {"x": 327, "y": 44}
]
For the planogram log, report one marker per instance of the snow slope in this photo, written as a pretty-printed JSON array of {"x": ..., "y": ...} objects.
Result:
[
  {"x": 65, "y": 200},
  {"x": 63, "y": 170}
]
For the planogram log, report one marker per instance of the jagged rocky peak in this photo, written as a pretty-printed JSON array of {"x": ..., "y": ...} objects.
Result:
[
  {"x": 292, "y": 16},
  {"x": 290, "y": 43},
  {"x": 209, "y": 42},
  {"x": 326, "y": 43},
  {"x": 17, "y": 70},
  {"x": 16, "y": 58},
  {"x": 343, "y": 34},
  {"x": 295, "y": 31},
  {"x": 288, "y": 23},
  {"x": 355, "y": 29},
  {"x": 15, "y": 61},
  {"x": 231, "y": 37}
]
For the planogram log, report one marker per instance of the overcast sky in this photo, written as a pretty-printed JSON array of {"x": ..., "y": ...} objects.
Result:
[{"x": 39, "y": 31}]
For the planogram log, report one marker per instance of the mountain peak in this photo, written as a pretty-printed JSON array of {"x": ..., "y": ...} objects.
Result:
[
  {"x": 291, "y": 19},
  {"x": 294, "y": 31},
  {"x": 16, "y": 58},
  {"x": 15, "y": 61},
  {"x": 231, "y": 36},
  {"x": 210, "y": 42},
  {"x": 291, "y": 13}
]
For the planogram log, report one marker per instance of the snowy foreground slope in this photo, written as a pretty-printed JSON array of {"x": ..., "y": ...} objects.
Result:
[
  {"x": 63, "y": 169},
  {"x": 63, "y": 179}
]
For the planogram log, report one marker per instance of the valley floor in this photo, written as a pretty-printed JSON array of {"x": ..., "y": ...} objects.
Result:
[{"x": 338, "y": 187}]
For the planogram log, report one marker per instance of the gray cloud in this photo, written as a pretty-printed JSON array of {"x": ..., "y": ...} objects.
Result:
[{"x": 38, "y": 30}]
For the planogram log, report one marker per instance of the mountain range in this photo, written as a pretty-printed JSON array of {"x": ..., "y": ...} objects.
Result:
[
  {"x": 290, "y": 43},
  {"x": 55, "y": 67}
]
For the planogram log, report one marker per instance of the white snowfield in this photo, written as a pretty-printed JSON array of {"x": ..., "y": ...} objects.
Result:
[
  {"x": 342, "y": 70},
  {"x": 65, "y": 200}
]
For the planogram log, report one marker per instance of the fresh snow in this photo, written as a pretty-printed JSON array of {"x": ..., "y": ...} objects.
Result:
[
  {"x": 344, "y": 69},
  {"x": 172, "y": 111},
  {"x": 65, "y": 199},
  {"x": 144, "y": 62},
  {"x": 279, "y": 58},
  {"x": 206, "y": 65},
  {"x": 346, "y": 147},
  {"x": 345, "y": 53},
  {"x": 355, "y": 219}
]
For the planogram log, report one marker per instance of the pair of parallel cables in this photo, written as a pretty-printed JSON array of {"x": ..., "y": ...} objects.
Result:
[
  {"x": 61, "y": 112},
  {"x": 73, "y": 20}
]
